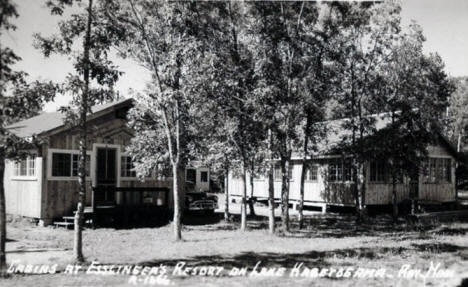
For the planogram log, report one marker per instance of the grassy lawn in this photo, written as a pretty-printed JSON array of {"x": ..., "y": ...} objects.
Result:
[{"x": 330, "y": 241}]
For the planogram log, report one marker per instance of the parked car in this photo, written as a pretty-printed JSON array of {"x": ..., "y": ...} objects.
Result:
[{"x": 200, "y": 202}]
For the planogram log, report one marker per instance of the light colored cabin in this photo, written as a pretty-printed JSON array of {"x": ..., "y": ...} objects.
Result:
[{"x": 328, "y": 180}]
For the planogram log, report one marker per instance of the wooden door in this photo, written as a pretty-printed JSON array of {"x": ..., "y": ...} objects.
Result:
[{"x": 106, "y": 174}]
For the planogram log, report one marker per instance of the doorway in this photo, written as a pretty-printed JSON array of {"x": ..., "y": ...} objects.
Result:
[{"x": 106, "y": 174}]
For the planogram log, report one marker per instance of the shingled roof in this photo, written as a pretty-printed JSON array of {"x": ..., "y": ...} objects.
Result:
[
  {"x": 46, "y": 122},
  {"x": 335, "y": 133}
]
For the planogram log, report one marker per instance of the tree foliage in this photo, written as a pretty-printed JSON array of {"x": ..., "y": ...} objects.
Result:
[{"x": 18, "y": 99}]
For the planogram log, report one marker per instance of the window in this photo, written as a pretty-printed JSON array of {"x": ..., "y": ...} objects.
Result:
[
  {"x": 438, "y": 170},
  {"x": 339, "y": 170},
  {"x": 311, "y": 173},
  {"x": 25, "y": 167},
  {"x": 335, "y": 170},
  {"x": 76, "y": 164},
  {"x": 258, "y": 176},
  {"x": 66, "y": 164},
  {"x": 61, "y": 164},
  {"x": 191, "y": 175},
  {"x": 277, "y": 173},
  {"x": 126, "y": 167},
  {"x": 347, "y": 170},
  {"x": 448, "y": 170},
  {"x": 290, "y": 171},
  {"x": 204, "y": 176},
  {"x": 377, "y": 171}
]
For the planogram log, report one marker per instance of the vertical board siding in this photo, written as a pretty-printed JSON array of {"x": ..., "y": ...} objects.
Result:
[
  {"x": 441, "y": 192},
  {"x": 381, "y": 193},
  {"x": 23, "y": 196},
  {"x": 63, "y": 197},
  {"x": 342, "y": 192}
]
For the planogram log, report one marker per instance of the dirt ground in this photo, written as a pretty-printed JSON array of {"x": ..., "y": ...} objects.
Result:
[{"x": 332, "y": 250}]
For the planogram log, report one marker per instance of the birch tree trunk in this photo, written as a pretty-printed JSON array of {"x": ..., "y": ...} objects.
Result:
[
  {"x": 226, "y": 195},
  {"x": 360, "y": 191},
  {"x": 251, "y": 202},
  {"x": 78, "y": 221},
  {"x": 285, "y": 194},
  {"x": 271, "y": 189},
  {"x": 394, "y": 196},
  {"x": 3, "y": 266},
  {"x": 271, "y": 199},
  {"x": 176, "y": 191},
  {"x": 301, "y": 196},
  {"x": 244, "y": 200}
]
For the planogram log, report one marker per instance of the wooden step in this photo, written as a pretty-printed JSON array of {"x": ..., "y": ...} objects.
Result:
[
  {"x": 62, "y": 223},
  {"x": 87, "y": 209},
  {"x": 67, "y": 218}
]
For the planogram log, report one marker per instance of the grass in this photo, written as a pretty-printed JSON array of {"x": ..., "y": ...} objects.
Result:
[{"x": 329, "y": 241}]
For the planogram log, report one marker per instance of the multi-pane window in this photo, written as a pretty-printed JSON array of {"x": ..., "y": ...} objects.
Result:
[
  {"x": 312, "y": 173},
  {"x": 438, "y": 170},
  {"x": 25, "y": 167},
  {"x": 335, "y": 170},
  {"x": 377, "y": 171},
  {"x": 126, "y": 167},
  {"x": 67, "y": 164},
  {"x": 204, "y": 176},
  {"x": 339, "y": 170},
  {"x": 76, "y": 164},
  {"x": 347, "y": 170},
  {"x": 277, "y": 173},
  {"x": 61, "y": 164}
]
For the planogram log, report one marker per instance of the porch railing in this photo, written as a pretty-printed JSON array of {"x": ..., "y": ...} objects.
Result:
[{"x": 104, "y": 200}]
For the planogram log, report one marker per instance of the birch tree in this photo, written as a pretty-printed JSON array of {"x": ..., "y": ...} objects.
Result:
[
  {"x": 283, "y": 62},
  {"x": 367, "y": 35},
  {"x": 409, "y": 80},
  {"x": 228, "y": 90},
  {"x": 164, "y": 37},
  {"x": 92, "y": 81}
]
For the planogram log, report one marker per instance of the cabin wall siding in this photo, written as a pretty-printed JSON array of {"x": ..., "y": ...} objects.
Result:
[
  {"x": 314, "y": 191},
  {"x": 61, "y": 196},
  {"x": 23, "y": 196},
  {"x": 341, "y": 192},
  {"x": 381, "y": 193}
]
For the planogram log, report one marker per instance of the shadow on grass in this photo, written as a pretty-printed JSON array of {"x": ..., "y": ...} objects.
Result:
[
  {"x": 438, "y": 247},
  {"x": 288, "y": 260},
  {"x": 345, "y": 225}
]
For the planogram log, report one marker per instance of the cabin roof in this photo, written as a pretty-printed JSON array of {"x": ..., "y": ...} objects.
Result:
[
  {"x": 335, "y": 133},
  {"x": 49, "y": 121}
]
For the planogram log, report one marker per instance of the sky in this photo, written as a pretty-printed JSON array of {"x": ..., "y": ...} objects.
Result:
[{"x": 444, "y": 24}]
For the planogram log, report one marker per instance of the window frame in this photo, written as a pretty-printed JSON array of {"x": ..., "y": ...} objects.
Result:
[
  {"x": 29, "y": 165},
  {"x": 125, "y": 176},
  {"x": 379, "y": 174},
  {"x": 277, "y": 173},
  {"x": 437, "y": 170},
  {"x": 207, "y": 176},
  {"x": 308, "y": 175},
  {"x": 70, "y": 152},
  {"x": 342, "y": 168}
]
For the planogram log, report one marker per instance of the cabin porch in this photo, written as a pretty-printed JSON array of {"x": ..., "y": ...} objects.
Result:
[{"x": 124, "y": 207}]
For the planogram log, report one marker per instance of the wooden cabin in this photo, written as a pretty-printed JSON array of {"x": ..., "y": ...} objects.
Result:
[
  {"x": 45, "y": 185},
  {"x": 329, "y": 182}
]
